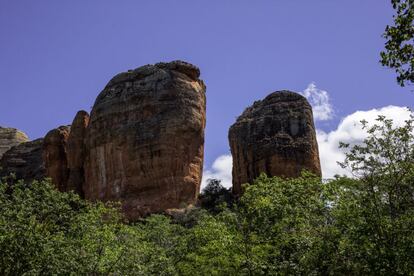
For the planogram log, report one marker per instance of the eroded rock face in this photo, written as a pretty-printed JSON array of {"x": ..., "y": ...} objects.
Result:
[
  {"x": 275, "y": 136},
  {"x": 54, "y": 156},
  {"x": 25, "y": 161},
  {"x": 144, "y": 143},
  {"x": 76, "y": 152},
  {"x": 10, "y": 137}
]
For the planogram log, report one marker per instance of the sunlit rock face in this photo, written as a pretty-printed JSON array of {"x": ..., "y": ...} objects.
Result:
[
  {"x": 145, "y": 138},
  {"x": 142, "y": 145},
  {"x": 275, "y": 136},
  {"x": 10, "y": 137}
]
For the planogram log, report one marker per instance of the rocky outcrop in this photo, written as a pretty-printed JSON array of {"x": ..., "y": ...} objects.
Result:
[
  {"x": 25, "y": 161},
  {"x": 10, "y": 137},
  {"x": 144, "y": 143},
  {"x": 275, "y": 136},
  {"x": 76, "y": 152},
  {"x": 54, "y": 156}
]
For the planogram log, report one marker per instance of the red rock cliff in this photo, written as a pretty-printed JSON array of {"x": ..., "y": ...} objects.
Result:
[
  {"x": 76, "y": 152},
  {"x": 275, "y": 136},
  {"x": 55, "y": 156},
  {"x": 144, "y": 143}
]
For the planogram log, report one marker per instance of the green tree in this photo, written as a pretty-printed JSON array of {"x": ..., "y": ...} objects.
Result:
[
  {"x": 375, "y": 211},
  {"x": 214, "y": 196},
  {"x": 46, "y": 232},
  {"x": 160, "y": 247},
  {"x": 43, "y": 231},
  {"x": 399, "y": 47},
  {"x": 281, "y": 223},
  {"x": 302, "y": 226},
  {"x": 213, "y": 247}
]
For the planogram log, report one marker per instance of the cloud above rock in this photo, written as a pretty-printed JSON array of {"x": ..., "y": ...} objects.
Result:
[
  {"x": 349, "y": 130},
  {"x": 221, "y": 169},
  {"x": 319, "y": 99}
]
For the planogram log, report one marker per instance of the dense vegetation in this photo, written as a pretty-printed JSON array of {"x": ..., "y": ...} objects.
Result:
[{"x": 305, "y": 226}]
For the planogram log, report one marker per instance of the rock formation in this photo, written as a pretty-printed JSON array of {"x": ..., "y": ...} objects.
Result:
[
  {"x": 24, "y": 160},
  {"x": 54, "y": 156},
  {"x": 144, "y": 143},
  {"x": 275, "y": 136},
  {"x": 76, "y": 152},
  {"x": 10, "y": 137}
]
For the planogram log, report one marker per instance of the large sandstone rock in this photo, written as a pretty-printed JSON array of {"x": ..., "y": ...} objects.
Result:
[
  {"x": 76, "y": 152},
  {"x": 275, "y": 136},
  {"x": 144, "y": 142},
  {"x": 25, "y": 161},
  {"x": 10, "y": 137},
  {"x": 54, "y": 156}
]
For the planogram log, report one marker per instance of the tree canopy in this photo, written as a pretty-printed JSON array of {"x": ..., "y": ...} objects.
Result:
[{"x": 302, "y": 226}]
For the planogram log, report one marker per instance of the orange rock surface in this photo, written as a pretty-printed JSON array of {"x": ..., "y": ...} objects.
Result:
[
  {"x": 54, "y": 156},
  {"x": 275, "y": 136},
  {"x": 145, "y": 139}
]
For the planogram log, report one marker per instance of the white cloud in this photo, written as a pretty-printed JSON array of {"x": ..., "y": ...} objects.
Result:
[
  {"x": 319, "y": 99},
  {"x": 221, "y": 169},
  {"x": 350, "y": 131}
]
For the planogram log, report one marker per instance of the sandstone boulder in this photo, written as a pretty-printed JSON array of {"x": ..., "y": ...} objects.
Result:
[
  {"x": 54, "y": 156},
  {"x": 275, "y": 136},
  {"x": 10, "y": 137},
  {"x": 144, "y": 143},
  {"x": 25, "y": 161},
  {"x": 76, "y": 152}
]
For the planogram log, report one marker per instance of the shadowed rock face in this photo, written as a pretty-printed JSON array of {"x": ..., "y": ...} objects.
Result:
[
  {"x": 10, "y": 137},
  {"x": 25, "y": 161},
  {"x": 54, "y": 156},
  {"x": 144, "y": 143},
  {"x": 275, "y": 136},
  {"x": 76, "y": 152}
]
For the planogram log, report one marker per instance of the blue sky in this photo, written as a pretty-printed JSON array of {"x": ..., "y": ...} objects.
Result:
[{"x": 56, "y": 56}]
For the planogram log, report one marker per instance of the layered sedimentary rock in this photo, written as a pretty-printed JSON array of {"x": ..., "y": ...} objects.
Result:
[
  {"x": 10, "y": 137},
  {"x": 76, "y": 152},
  {"x": 54, "y": 156},
  {"x": 24, "y": 160},
  {"x": 144, "y": 143},
  {"x": 275, "y": 136}
]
